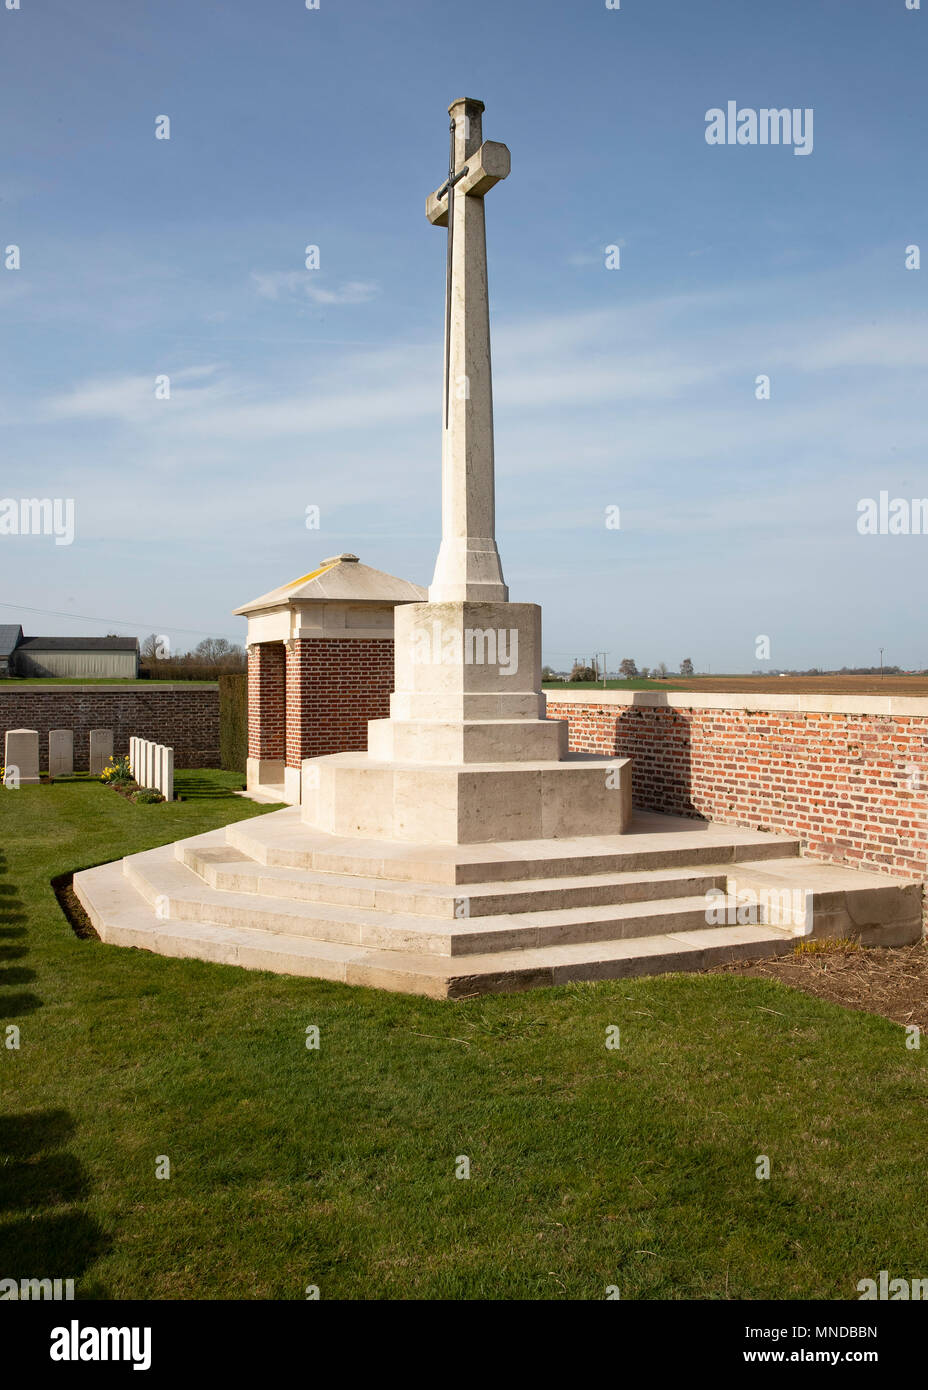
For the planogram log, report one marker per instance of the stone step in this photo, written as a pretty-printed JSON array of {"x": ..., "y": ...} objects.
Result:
[
  {"x": 653, "y": 842},
  {"x": 845, "y": 903},
  {"x": 121, "y": 917},
  {"x": 851, "y": 903},
  {"x": 387, "y": 915},
  {"x": 231, "y": 870},
  {"x": 177, "y": 893}
]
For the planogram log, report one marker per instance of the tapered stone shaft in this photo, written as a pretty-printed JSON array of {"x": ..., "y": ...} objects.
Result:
[{"x": 468, "y": 565}]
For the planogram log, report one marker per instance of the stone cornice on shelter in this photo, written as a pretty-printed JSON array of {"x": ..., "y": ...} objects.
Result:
[{"x": 340, "y": 579}]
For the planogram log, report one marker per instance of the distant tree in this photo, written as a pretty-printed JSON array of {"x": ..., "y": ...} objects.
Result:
[
  {"x": 662, "y": 671},
  {"x": 686, "y": 667},
  {"x": 213, "y": 649},
  {"x": 580, "y": 672},
  {"x": 547, "y": 674},
  {"x": 151, "y": 647},
  {"x": 628, "y": 668},
  {"x": 644, "y": 672}
]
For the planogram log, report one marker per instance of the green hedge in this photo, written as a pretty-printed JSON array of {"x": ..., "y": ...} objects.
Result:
[{"x": 233, "y": 722}]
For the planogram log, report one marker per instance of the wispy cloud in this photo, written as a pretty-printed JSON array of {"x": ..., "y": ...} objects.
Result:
[
  {"x": 134, "y": 399},
  {"x": 647, "y": 405},
  {"x": 306, "y": 284}
]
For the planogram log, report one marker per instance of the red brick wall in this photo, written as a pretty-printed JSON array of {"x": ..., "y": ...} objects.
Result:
[
  {"x": 186, "y": 719},
  {"x": 266, "y": 700},
  {"x": 854, "y": 787},
  {"x": 334, "y": 686}
]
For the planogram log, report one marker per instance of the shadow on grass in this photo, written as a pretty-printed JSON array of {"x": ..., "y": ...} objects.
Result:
[
  {"x": 49, "y": 1181},
  {"x": 16, "y": 1005},
  {"x": 18, "y": 1002},
  {"x": 36, "y": 1180},
  {"x": 47, "y": 1236},
  {"x": 16, "y": 974},
  {"x": 191, "y": 786},
  {"x": 53, "y": 1247},
  {"x": 11, "y": 906}
]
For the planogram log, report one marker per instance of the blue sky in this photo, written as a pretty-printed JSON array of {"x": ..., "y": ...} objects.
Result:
[{"x": 632, "y": 388}]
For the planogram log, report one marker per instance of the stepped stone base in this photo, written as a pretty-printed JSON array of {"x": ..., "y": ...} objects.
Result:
[
  {"x": 456, "y": 920},
  {"x": 467, "y": 755}
]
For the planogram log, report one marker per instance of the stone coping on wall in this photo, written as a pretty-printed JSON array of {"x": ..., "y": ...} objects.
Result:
[
  {"x": 804, "y": 703},
  {"x": 142, "y": 688}
]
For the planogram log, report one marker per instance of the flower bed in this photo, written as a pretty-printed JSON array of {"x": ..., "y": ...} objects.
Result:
[{"x": 116, "y": 774}]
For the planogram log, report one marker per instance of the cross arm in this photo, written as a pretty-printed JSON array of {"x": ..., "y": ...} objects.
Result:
[{"x": 485, "y": 167}]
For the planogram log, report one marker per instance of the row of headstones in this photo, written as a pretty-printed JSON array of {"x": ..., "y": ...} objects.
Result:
[
  {"x": 21, "y": 754},
  {"x": 152, "y": 765}
]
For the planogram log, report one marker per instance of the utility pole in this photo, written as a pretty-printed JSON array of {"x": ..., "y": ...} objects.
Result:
[{"x": 881, "y": 663}]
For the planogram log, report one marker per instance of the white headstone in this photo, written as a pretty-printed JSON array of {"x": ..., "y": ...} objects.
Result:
[
  {"x": 166, "y": 785},
  {"x": 101, "y": 750},
  {"x": 21, "y": 752},
  {"x": 60, "y": 752}
]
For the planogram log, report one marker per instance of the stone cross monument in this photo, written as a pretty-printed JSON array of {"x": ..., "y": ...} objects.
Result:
[
  {"x": 467, "y": 754},
  {"x": 468, "y": 565}
]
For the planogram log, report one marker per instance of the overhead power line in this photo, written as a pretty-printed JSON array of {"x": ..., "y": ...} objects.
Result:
[{"x": 119, "y": 622}]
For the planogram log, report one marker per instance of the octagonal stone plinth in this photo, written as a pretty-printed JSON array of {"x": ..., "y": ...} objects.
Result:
[{"x": 353, "y": 794}]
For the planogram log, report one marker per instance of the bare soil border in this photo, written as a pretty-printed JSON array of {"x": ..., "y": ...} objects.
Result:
[{"x": 891, "y": 981}]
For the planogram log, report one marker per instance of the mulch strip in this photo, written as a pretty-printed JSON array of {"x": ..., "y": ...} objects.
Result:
[
  {"x": 888, "y": 980},
  {"x": 73, "y": 908}
]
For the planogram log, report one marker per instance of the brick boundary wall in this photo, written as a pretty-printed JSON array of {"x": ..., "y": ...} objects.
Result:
[
  {"x": 266, "y": 700},
  {"x": 334, "y": 686},
  {"x": 850, "y": 781},
  {"x": 186, "y": 718}
]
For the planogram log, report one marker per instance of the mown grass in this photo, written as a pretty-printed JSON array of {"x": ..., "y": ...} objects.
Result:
[{"x": 336, "y": 1167}]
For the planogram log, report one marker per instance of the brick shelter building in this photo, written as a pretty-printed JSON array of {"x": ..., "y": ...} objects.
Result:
[{"x": 320, "y": 665}]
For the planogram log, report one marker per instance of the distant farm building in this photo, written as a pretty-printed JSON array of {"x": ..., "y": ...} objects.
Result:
[
  {"x": 11, "y": 634},
  {"x": 90, "y": 657}
]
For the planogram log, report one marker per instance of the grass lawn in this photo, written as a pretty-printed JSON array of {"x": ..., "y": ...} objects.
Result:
[{"x": 336, "y": 1167}]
